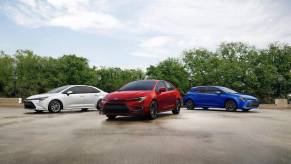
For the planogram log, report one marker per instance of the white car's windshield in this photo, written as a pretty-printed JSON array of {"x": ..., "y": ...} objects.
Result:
[{"x": 59, "y": 89}]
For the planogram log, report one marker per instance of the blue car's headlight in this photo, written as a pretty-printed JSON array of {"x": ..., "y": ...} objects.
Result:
[{"x": 243, "y": 99}]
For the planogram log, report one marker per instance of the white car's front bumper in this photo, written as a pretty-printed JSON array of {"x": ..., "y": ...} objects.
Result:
[{"x": 35, "y": 105}]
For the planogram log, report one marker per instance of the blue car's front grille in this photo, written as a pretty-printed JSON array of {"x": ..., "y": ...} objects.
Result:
[{"x": 253, "y": 104}]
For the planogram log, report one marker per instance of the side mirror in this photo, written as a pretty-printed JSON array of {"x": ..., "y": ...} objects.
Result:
[
  {"x": 162, "y": 90},
  {"x": 69, "y": 92}
]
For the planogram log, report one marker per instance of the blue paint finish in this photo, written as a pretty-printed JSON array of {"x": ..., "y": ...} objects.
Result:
[{"x": 216, "y": 96}]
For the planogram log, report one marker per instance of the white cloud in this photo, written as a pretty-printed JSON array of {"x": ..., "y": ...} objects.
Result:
[
  {"x": 73, "y": 14},
  {"x": 158, "y": 47},
  {"x": 153, "y": 30},
  {"x": 207, "y": 23}
]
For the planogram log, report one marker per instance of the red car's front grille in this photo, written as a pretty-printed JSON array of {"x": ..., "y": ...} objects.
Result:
[{"x": 115, "y": 106}]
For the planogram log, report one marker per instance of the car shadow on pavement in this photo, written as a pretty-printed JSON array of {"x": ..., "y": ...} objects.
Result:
[
  {"x": 120, "y": 119},
  {"x": 223, "y": 110},
  {"x": 61, "y": 112}
]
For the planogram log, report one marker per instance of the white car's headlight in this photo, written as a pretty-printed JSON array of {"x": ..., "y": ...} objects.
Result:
[
  {"x": 39, "y": 98},
  {"x": 139, "y": 99}
]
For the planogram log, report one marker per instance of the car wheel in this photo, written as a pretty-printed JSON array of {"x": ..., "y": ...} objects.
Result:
[
  {"x": 98, "y": 106},
  {"x": 230, "y": 106},
  {"x": 246, "y": 110},
  {"x": 190, "y": 105},
  {"x": 177, "y": 109},
  {"x": 205, "y": 108},
  {"x": 111, "y": 117},
  {"x": 153, "y": 110},
  {"x": 55, "y": 106}
]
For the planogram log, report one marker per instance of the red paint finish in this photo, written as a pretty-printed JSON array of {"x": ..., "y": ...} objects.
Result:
[{"x": 134, "y": 101}]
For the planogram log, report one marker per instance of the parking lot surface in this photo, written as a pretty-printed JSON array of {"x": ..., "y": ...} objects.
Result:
[{"x": 196, "y": 136}]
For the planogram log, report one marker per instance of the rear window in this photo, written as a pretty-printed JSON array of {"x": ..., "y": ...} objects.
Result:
[{"x": 138, "y": 85}]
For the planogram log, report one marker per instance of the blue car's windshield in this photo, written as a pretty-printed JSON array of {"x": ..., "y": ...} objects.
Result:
[{"x": 227, "y": 90}]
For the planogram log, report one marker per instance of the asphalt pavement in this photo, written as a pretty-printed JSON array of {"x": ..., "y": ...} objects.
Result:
[{"x": 196, "y": 136}]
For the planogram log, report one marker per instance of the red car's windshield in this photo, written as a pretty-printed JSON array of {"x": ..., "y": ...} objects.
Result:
[{"x": 138, "y": 85}]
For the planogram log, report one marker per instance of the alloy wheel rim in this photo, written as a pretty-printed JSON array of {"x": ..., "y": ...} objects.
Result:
[
  {"x": 153, "y": 110},
  {"x": 189, "y": 104},
  {"x": 178, "y": 106},
  {"x": 230, "y": 105},
  {"x": 55, "y": 106}
]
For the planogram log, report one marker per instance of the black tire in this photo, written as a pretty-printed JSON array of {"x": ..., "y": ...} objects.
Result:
[
  {"x": 246, "y": 110},
  {"x": 178, "y": 106},
  {"x": 98, "y": 106},
  {"x": 153, "y": 110},
  {"x": 230, "y": 106},
  {"x": 84, "y": 109},
  {"x": 38, "y": 111},
  {"x": 111, "y": 117},
  {"x": 190, "y": 105},
  {"x": 205, "y": 108},
  {"x": 55, "y": 106}
]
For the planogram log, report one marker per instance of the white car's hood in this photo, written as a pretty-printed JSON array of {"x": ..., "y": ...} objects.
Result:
[{"x": 40, "y": 95}]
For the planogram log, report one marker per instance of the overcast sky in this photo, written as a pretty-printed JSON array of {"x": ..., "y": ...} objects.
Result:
[{"x": 137, "y": 33}]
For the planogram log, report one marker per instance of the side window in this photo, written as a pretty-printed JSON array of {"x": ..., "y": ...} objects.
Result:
[
  {"x": 169, "y": 86},
  {"x": 211, "y": 90},
  {"x": 160, "y": 84},
  {"x": 91, "y": 90},
  {"x": 201, "y": 90},
  {"x": 195, "y": 90},
  {"x": 75, "y": 90}
]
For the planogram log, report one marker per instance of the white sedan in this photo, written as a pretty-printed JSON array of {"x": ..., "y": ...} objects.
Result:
[{"x": 66, "y": 97}]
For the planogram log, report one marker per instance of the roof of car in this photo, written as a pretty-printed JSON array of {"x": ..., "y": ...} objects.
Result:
[{"x": 208, "y": 86}]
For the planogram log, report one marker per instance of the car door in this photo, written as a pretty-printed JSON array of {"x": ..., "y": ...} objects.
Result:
[
  {"x": 162, "y": 97},
  {"x": 171, "y": 92},
  {"x": 200, "y": 97},
  {"x": 91, "y": 96},
  {"x": 75, "y": 99},
  {"x": 212, "y": 96}
]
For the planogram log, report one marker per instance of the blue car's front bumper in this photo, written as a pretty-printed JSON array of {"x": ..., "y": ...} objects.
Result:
[{"x": 249, "y": 104}]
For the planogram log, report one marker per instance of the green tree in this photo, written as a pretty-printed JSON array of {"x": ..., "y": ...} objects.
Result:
[
  {"x": 6, "y": 75},
  {"x": 171, "y": 70},
  {"x": 111, "y": 79}
]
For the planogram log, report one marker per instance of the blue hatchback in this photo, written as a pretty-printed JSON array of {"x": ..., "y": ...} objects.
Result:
[{"x": 218, "y": 97}]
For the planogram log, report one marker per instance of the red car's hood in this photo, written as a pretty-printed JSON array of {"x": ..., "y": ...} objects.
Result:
[{"x": 122, "y": 95}]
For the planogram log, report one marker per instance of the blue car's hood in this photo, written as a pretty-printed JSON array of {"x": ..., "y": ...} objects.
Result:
[{"x": 246, "y": 96}]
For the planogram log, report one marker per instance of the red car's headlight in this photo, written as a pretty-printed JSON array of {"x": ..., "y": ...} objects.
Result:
[
  {"x": 103, "y": 101},
  {"x": 138, "y": 99}
]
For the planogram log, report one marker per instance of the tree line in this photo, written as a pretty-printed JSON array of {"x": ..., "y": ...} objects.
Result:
[{"x": 265, "y": 73}]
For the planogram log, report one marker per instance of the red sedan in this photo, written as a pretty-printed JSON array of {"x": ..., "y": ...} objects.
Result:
[{"x": 142, "y": 98}]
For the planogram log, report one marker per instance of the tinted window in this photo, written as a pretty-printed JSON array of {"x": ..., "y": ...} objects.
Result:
[
  {"x": 199, "y": 90},
  {"x": 86, "y": 89},
  {"x": 138, "y": 85},
  {"x": 160, "y": 84},
  {"x": 212, "y": 90},
  {"x": 169, "y": 86},
  {"x": 75, "y": 90}
]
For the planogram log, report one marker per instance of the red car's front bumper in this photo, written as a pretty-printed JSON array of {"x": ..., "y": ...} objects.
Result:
[{"x": 124, "y": 108}]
